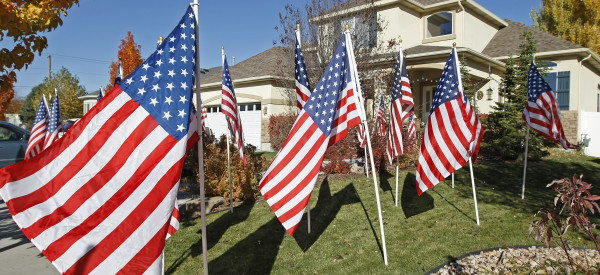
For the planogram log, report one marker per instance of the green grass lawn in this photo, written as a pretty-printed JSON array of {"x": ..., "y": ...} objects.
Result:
[{"x": 421, "y": 233}]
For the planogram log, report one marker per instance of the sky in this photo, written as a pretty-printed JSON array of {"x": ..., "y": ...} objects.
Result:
[{"x": 89, "y": 38}]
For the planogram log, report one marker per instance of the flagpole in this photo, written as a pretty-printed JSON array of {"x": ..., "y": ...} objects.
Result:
[
  {"x": 452, "y": 180},
  {"x": 364, "y": 121},
  {"x": 474, "y": 193},
  {"x": 228, "y": 153},
  {"x": 397, "y": 160},
  {"x": 200, "y": 145},
  {"x": 525, "y": 162}
]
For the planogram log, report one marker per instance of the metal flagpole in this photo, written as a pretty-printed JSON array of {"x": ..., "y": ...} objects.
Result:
[
  {"x": 364, "y": 121},
  {"x": 452, "y": 180},
  {"x": 228, "y": 139},
  {"x": 366, "y": 162},
  {"x": 308, "y": 205},
  {"x": 200, "y": 145},
  {"x": 397, "y": 160},
  {"x": 525, "y": 162},
  {"x": 474, "y": 194}
]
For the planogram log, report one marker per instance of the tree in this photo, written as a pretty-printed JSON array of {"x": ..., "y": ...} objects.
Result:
[
  {"x": 130, "y": 54},
  {"x": 7, "y": 86},
  {"x": 69, "y": 91},
  {"x": 577, "y": 21},
  {"x": 505, "y": 129},
  {"x": 24, "y": 22}
]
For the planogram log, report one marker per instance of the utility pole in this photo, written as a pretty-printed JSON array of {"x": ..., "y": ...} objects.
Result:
[{"x": 49, "y": 66}]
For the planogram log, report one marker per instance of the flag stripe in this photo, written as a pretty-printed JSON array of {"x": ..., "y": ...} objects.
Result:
[{"x": 144, "y": 260}]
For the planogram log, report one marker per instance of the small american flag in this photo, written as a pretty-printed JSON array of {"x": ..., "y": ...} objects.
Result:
[
  {"x": 54, "y": 123},
  {"x": 381, "y": 121},
  {"x": 449, "y": 132},
  {"x": 326, "y": 118},
  {"x": 302, "y": 84},
  {"x": 542, "y": 112},
  {"x": 402, "y": 106},
  {"x": 203, "y": 117},
  {"x": 101, "y": 198},
  {"x": 38, "y": 132},
  {"x": 119, "y": 77},
  {"x": 411, "y": 133},
  {"x": 100, "y": 95},
  {"x": 229, "y": 108}
]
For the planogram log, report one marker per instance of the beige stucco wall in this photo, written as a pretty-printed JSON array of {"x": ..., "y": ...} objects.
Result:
[{"x": 399, "y": 22}]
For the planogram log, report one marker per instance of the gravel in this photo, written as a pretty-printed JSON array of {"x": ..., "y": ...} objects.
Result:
[{"x": 528, "y": 260}]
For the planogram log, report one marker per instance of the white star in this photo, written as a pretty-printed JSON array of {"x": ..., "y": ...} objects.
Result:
[
  {"x": 167, "y": 115},
  {"x": 183, "y": 85},
  {"x": 181, "y": 113},
  {"x": 168, "y": 100},
  {"x": 153, "y": 101},
  {"x": 172, "y": 39},
  {"x": 159, "y": 62},
  {"x": 141, "y": 91},
  {"x": 157, "y": 74},
  {"x": 155, "y": 87},
  {"x": 180, "y": 127},
  {"x": 172, "y": 49},
  {"x": 182, "y": 25},
  {"x": 160, "y": 51},
  {"x": 129, "y": 81},
  {"x": 171, "y": 73},
  {"x": 183, "y": 47},
  {"x": 143, "y": 78},
  {"x": 184, "y": 72},
  {"x": 145, "y": 66},
  {"x": 193, "y": 36},
  {"x": 184, "y": 59},
  {"x": 172, "y": 60},
  {"x": 182, "y": 99},
  {"x": 170, "y": 86},
  {"x": 183, "y": 36}
]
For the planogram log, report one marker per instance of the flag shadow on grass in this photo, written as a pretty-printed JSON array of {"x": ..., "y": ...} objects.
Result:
[
  {"x": 384, "y": 183},
  {"x": 413, "y": 204},
  {"x": 323, "y": 213},
  {"x": 214, "y": 232}
]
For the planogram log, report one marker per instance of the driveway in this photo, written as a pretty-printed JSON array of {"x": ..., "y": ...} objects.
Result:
[{"x": 17, "y": 254}]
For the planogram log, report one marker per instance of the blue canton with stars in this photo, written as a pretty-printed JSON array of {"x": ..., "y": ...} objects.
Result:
[
  {"x": 55, "y": 116},
  {"x": 301, "y": 67},
  {"x": 163, "y": 83},
  {"x": 322, "y": 104},
  {"x": 536, "y": 85},
  {"x": 448, "y": 88},
  {"x": 397, "y": 87}
]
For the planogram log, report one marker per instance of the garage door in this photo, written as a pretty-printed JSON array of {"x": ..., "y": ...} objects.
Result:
[{"x": 250, "y": 114}]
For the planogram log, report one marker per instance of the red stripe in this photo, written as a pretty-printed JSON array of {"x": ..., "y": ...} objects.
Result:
[
  {"x": 97, "y": 182},
  {"x": 24, "y": 169},
  {"x": 295, "y": 210},
  {"x": 17, "y": 205},
  {"x": 437, "y": 151},
  {"x": 112, "y": 241},
  {"x": 57, "y": 248},
  {"x": 146, "y": 256}
]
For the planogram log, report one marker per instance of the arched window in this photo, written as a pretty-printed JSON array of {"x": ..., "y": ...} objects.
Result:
[{"x": 439, "y": 24}]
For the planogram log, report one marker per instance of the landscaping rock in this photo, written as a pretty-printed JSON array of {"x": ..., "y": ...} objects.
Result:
[{"x": 193, "y": 210}]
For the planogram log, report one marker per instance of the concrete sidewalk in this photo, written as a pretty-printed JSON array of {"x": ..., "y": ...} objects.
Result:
[{"x": 17, "y": 254}]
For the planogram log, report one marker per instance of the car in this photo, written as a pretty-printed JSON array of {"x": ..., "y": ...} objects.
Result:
[{"x": 13, "y": 143}]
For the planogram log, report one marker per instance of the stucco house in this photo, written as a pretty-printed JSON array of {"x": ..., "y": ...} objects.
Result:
[{"x": 427, "y": 28}]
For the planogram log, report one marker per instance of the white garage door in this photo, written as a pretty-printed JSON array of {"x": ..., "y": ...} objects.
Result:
[{"x": 250, "y": 114}]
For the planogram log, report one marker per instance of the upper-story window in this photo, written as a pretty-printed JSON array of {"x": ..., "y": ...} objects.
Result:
[
  {"x": 439, "y": 24},
  {"x": 363, "y": 30}
]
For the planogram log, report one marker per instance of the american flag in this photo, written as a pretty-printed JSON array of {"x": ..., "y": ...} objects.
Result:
[
  {"x": 449, "y": 132},
  {"x": 326, "y": 118},
  {"x": 542, "y": 112},
  {"x": 302, "y": 84},
  {"x": 402, "y": 106},
  {"x": 38, "y": 132},
  {"x": 204, "y": 115},
  {"x": 229, "y": 108},
  {"x": 100, "y": 94},
  {"x": 381, "y": 121},
  {"x": 119, "y": 77},
  {"x": 54, "y": 123},
  {"x": 100, "y": 199}
]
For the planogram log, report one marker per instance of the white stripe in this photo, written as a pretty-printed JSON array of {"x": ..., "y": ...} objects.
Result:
[
  {"x": 28, "y": 185},
  {"x": 96, "y": 235},
  {"x": 91, "y": 168},
  {"x": 140, "y": 237},
  {"x": 298, "y": 198},
  {"x": 432, "y": 151},
  {"x": 156, "y": 267},
  {"x": 91, "y": 205}
]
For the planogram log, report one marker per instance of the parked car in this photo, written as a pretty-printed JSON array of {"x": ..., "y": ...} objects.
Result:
[{"x": 13, "y": 143}]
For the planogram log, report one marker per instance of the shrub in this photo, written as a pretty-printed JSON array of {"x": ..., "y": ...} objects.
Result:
[{"x": 279, "y": 129}]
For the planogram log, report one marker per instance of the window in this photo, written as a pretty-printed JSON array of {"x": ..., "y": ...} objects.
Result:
[
  {"x": 439, "y": 24},
  {"x": 242, "y": 108},
  {"x": 250, "y": 107},
  {"x": 363, "y": 30},
  {"x": 7, "y": 134},
  {"x": 560, "y": 82}
]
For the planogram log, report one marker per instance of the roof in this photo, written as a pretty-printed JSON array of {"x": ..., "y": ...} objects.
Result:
[
  {"x": 267, "y": 63},
  {"x": 507, "y": 40}
]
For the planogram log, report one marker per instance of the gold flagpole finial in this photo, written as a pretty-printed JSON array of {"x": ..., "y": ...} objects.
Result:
[
  {"x": 347, "y": 27},
  {"x": 298, "y": 26},
  {"x": 222, "y": 47},
  {"x": 160, "y": 39},
  {"x": 400, "y": 40},
  {"x": 454, "y": 44}
]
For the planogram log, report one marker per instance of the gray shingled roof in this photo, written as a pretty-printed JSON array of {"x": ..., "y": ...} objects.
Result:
[
  {"x": 506, "y": 41},
  {"x": 267, "y": 63}
]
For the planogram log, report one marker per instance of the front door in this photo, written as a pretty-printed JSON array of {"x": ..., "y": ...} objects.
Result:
[{"x": 428, "y": 92}]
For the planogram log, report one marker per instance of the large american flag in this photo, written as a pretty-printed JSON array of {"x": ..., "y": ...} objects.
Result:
[
  {"x": 229, "y": 108},
  {"x": 381, "y": 123},
  {"x": 54, "y": 123},
  {"x": 449, "y": 132},
  {"x": 100, "y": 199},
  {"x": 542, "y": 112},
  {"x": 302, "y": 84},
  {"x": 38, "y": 132},
  {"x": 402, "y": 105},
  {"x": 326, "y": 118}
]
